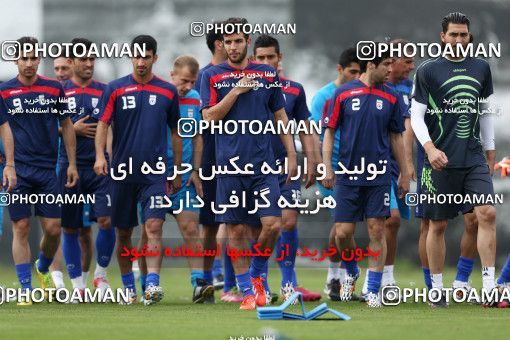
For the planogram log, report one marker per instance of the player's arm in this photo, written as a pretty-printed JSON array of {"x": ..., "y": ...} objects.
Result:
[
  {"x": 397, "y": 148},
  {"x": 104, "y": 113},
  {"x": 9, "y": 173},
  {"x": 198, "y": 146},
  {"x": 172, "y": 119},
  {"x": 69, "y": 137},
  {"x": 327, "y": 154},
  {"x": 176, "y": 141},
  {"x": 288, "y": 143},
  {"x": 408, "y": 148},
  {"x": 101, "y": 165},
  {"x": 331, "y": 119},
  {"x": 109, "y": 141},
  {"x": 487, "y": 133},
  {"x": 219, "y": 111},
  {"x": 310, "y": 149},
  {"x": 437, "y": 158},
  {"x": 317, "y": 110}
]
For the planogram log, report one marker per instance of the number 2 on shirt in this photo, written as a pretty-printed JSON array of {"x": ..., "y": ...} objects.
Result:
[{"x": 128, "y": 102}]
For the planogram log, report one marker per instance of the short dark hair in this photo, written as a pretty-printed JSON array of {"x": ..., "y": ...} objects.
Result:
[
  {"x": 379, "y": 57},
  {"x": 237, "y": 22},
  {"x": 80, "y": 46},
  {"x": 22, "y": 42},
  {"x": 212, "y": 36},
  {"x": 401, "y": 43},
  {"x": 266, "y": 41},
  {"x": 149, "y": 41},
  {"x": 454, "y": 18},
  {"x": 348, "y": 57}
]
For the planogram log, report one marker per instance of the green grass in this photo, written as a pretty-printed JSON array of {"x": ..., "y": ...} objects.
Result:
[{"x": 177, "y": 318}]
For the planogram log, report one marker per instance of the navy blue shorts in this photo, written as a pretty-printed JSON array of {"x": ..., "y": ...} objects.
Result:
[
  {"x": 248, "y": 184},
  {"x": 472, "y": 181},
  {"x": 125, "y": 197},
  {"x": 88, "y": 183},
  {"x": 207, "y": 217},
  {"x": 34, "y": 180},
  {"x": 355, "y": 203}
]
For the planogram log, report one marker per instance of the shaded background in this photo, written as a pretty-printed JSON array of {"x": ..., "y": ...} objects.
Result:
[{"x": 324, "y": 29}]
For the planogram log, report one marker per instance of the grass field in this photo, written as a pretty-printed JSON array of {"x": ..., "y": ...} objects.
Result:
[{"x": 177, "y": 318}]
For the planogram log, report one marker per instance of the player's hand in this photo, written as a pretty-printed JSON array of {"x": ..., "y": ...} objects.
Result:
[
  {"x": 101, "y": 166},
  {"x": 329, "y": 181},
  {"x": 85, "y": 129},
  {"x": 292, "y": 167},
  {"x": 177, "y": 183},
  {"x": 403, "y": 185},
  {"x": 312, "y": 173},
  {"x": 9, "y": 177},
  {"x": 437, "y": 159},
  {"x": 72, "y": 176},
  {"x": 245, "y": 85},
  {"x": 492, "y": 167},
  {"x": 411, "y": 171},
  {"x": 194, "y": 180}
]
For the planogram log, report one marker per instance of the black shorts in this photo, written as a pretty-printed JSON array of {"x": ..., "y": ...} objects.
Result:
[{"x": 451, "y": 183}]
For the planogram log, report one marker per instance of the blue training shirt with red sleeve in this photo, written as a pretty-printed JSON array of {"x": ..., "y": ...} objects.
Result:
[
  {"x": 257, "y": 104},
  {"x": 33, "y": 113},
  {"x": 140, "y": 114},
  {"x": 295, "y": 108},
  {"x": 208, "y": 151},
  {"x": 83, "y": 100},
  {"x": 365, "y": 117}
]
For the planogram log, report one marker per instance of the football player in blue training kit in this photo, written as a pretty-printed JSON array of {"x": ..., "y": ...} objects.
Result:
[
  {"x": 398, "y": 79},
  {"x": 6, "y": 157},
  {"x": 214, "y": 233},
  {"x": 184, "y": 75},
  {"x": 238, "y": 100},
  {"x": 140, "y": 106},
  {"x": 83, "y": 94},
  {"x": 348, "y": 69},
  {"x": 360, "y": 108},
  {"x": 62, "y": 66},
  {"x": 266, "y": 50},
  {"x": 63, "y": 71},
  {"x": 38, "y": 106}
]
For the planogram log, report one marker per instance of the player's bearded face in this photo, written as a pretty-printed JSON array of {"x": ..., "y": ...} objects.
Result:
[
  {"x": 28, "y": 65},
  {"x": 351, "y": 72},
  {"x": 84, "y": 67},
  {"x": 456, "y": 34},
  {"x": 236, "y": 46},
  {"x": 143, "y": 65},
  {"x": 382, "y": 71}
]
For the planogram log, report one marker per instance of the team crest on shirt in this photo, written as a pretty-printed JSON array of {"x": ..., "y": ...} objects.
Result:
[
  {"x": 406, "y": 99},
  {"x": 94, "y": 102},
  {"x": 378, "y": 104},
  {"x": 152, "y": 99},
  {"x": 190, "y": 112}
]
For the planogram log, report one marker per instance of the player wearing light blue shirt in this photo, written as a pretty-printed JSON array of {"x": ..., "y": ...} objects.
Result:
[
  {"x": 348, "y": 69},
  {"x": 184, "y": 202}
]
